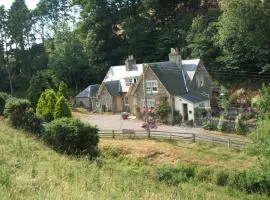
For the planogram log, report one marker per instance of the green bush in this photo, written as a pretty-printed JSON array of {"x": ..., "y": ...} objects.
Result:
[
  {"x": 176, "y": 175},
  {"x": 3, "y": 99},
  {"x": 62, "y": 108},
  {"x": 46, "y": 105},
  {"x": 34, "y": 123},
  {"x": 15, "y": 110},
  {"x": 177, "y": 117},
  {"x": 221, "y": 178},
  {"x": 204, "y": 174},
  {"x": 209, "y": 125},
  {"x": 62, "y": 90},
  {"x": 240, "y": 125},
  {"x": 251, "y": 181},
  {"x": 264, "y": 101},
  {"x": 71, "y": 136},
  {"x": 163, "y": 109}
]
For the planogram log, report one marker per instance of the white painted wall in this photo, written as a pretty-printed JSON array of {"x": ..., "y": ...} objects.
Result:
[{"x": 178, "y": 105}]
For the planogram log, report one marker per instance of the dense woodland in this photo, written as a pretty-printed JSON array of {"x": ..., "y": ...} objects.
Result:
[{"x": 76, "y": 41}]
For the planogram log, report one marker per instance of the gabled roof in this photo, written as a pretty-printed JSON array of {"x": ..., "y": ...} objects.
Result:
[
  {"x": 190, "y": 67},
  {"x": 113, "y": 87},
  {"x": 194, "y": 97},
  {"x": 89, "y": 92},
  {"x": 120, "y": 73},
  {"x": 171, "y": 76}
]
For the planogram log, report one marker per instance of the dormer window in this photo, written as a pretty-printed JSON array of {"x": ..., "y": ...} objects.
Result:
[{"x": 130, "y": 81}]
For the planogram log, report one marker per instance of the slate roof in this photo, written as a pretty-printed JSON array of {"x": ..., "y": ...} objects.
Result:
[
  {"x": 194, "y": 97},
  {"x": 90, "y": 91},
  {"x": 113, "y": 87},
  {"x": 171, "y": 76}
]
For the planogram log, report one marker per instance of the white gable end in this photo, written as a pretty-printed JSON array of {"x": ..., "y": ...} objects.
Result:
[{"x": 120, "y": 73}]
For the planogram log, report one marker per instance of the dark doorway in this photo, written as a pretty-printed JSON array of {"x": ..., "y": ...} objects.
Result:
[{"x": 185, "y": 111}]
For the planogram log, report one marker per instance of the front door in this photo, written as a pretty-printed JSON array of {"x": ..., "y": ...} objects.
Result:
[{"x": 185, "y": 111}]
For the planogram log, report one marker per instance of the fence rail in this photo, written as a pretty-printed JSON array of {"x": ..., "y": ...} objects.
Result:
[{"x": 187, "y": 137}]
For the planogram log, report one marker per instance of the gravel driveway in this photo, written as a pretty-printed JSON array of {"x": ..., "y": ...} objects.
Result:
[{"x": 115, "y": 122}]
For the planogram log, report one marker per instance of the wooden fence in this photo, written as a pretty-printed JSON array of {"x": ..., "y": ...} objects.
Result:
[{"x": 187, "y": 137}]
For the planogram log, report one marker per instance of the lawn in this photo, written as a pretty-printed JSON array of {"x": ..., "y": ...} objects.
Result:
[{"x": 31, "y": 170}]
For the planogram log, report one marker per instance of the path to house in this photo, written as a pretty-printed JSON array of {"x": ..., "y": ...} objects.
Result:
[{"x": 115, "y": 122}]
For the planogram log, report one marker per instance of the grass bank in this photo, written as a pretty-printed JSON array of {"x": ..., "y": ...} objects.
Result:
[{"x": 31, "y": 170}]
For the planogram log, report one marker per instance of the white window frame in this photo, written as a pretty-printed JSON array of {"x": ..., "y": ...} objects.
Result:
[
  {"x": 150, "y": 103},
  {"x": 152, "y": 86}
]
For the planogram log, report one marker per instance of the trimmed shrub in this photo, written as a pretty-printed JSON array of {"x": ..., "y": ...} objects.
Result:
[
  {"x": 177, "y": 175},
  {"x": 62, "y": 109},
  {"x": 34, "y": 123},
  {"x": 46, "y": 105},
  {"x": 71, "y": 136},
  {"x": 3, "y": 99},
  {"x": 15, "y": 110}
]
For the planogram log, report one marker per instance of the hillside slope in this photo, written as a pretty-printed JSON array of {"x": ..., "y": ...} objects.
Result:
[{"x": 30, "y": 170}]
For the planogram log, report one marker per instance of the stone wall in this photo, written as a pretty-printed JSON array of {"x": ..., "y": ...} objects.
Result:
[
  {"x": 138, "y": 97},
  {"x": 105, "y": 101}
]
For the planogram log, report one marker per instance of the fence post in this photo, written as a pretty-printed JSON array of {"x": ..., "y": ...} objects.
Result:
[
  {"x": 193, "y": 137},
  {"x": 170, "y": 136},
  {"x": 229, "y": 143},
  {"x": 213, "y": 140},
  {"x": 113, "y": 136}
]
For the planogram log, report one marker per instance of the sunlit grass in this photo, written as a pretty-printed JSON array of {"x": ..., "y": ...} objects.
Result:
[{"x": 30, "y": 170}]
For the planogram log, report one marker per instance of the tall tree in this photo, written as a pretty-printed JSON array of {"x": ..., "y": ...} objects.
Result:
[{"x": 244, "y": 35}]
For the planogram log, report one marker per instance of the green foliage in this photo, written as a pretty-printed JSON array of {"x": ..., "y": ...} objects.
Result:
[
  {"x": 72, "y": 137},
  {"x": 3, "y": 99},
  {"x": 62, "y": 108},
  {"x": 46, "y": 105},
  {"x": 39, "y": 83},
  {"x": 261, "y": 139},
  {"x": 175, "y": 175},
  {"x": 221, "y": 177},
  {"x": 264, "y": 101},
  {"x": 221, "y": 124},
  {"x": 16, "y": 111},
  {"x": 209, "y": 124},
  {"x": 241, "y": 37},
  {"x": 163, "y": 109},
  {"x": 204, "y": 174},
  {"x": 33, "y": 123},
  {"x": 177, "y": 117},
  {"x": 62, "y": 90},
  {"x": 240, "y": 125}
]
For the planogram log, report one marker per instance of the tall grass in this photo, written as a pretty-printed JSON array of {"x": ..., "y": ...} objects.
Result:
[{"x": 30, "y": 170}]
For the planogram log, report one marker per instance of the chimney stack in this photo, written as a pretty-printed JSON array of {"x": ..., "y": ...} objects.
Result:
[
  {"x": 175, "y": 56},
  {"x": 130, "y": 63}
]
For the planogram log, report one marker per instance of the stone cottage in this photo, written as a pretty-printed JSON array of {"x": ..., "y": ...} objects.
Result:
[
  {"x": 88, "y": 97},
  {"x": 184, "y": 83}
]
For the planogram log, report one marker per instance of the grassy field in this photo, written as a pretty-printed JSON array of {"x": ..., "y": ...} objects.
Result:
[{"x": 31, "y": 170}]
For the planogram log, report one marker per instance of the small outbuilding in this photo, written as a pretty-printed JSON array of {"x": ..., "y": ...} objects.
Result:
[{"x": 88, "y": 97}]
